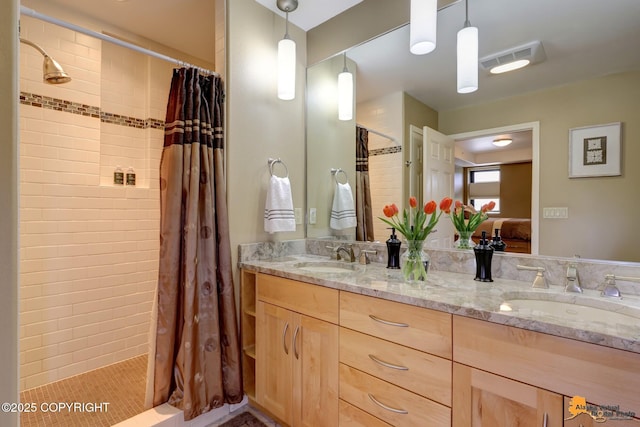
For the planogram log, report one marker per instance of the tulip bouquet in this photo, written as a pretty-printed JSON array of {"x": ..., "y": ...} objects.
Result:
[
  {"x": 415, "y": 226},
  {"x": 466, "y": 227}
]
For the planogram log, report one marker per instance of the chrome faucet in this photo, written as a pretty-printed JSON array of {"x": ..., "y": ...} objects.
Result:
[
  {"x": 348, "y": 250},
  {"x": 572, "y": 282}
]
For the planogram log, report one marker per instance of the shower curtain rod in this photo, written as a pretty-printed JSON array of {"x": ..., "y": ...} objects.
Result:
[
  {"x": 32, "y": 13},
  {"x": 392, "y": 139}
]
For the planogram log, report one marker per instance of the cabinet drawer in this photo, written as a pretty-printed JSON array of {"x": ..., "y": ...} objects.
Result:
[
  {"x": 415, "y": 327},
  {"x": 422, "y": 373},
  {"x": 350, "y": 416},
  {"x": 391, "y": 404},
  {"x": 312, "y": 300}
]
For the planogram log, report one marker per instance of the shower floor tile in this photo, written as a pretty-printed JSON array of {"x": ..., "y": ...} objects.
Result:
[{"x": 121, "y": 385}]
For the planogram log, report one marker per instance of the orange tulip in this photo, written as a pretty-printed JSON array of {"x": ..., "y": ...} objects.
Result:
[
  {"x": 430, "y": 207},
  {"x": 445, "y": 204},
  {"x": 458, "y": 204},
  {"x": 388, "y": 211},
  {"x": 413, "y": 202},
  {"x": 395, "y": 209}
]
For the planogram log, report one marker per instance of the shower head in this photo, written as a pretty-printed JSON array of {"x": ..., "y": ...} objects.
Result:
[{"x": 52, "y": 72}]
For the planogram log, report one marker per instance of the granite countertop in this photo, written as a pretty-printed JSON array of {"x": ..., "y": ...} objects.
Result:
[{"x": 591, "y": 318}]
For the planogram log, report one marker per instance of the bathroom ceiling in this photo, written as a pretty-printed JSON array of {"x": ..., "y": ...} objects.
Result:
[
  {"x": 311, "y": 13},
  {"x": 582, "y": 39}
]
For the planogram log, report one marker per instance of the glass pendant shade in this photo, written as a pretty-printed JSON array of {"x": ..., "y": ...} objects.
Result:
[
  {"x": 345, "y": 95},
  {"x": 468, "y": 60},
  {"x": 286, "y": 69},
  {"x": 422, "y": 27}
]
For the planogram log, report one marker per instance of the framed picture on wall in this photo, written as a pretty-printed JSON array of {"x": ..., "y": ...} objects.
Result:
[{"x": 595, "y": 151}]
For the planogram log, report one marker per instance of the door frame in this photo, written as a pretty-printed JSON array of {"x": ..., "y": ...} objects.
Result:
[{"x": 534, "y": 127}]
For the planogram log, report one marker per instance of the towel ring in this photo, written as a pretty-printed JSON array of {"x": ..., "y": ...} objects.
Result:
[
  {"x": 335, "y": 173},
  {"x": 272, "y": 162}
]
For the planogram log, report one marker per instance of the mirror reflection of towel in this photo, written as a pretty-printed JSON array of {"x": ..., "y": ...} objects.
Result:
[
  {"x": 278, "y": 212},
  {"x": 343, "y": 212}
]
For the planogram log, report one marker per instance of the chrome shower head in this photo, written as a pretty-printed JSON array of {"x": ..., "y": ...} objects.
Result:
[{"x": 52, "y": 72}]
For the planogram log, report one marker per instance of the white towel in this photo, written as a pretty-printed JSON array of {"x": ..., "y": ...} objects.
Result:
[
  {"x": 343, "y": 212},
  {"x": 278, "y": 212}
]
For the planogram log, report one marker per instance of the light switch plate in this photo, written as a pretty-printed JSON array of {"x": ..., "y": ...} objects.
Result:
[
  {"x": 555, "y": 213},
  {"x": 312, "y": 216},
  {"x": 298, "y": 214}
]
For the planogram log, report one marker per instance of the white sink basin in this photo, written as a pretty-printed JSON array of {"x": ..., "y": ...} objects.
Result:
[
  {"x": 581, "y": 310},
  {"x": 334, "y": 267}
]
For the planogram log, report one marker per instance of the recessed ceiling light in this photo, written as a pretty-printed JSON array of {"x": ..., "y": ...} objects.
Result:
[
  {"x": 502, "y": 142},
  {"x": 510, "y": 66}
]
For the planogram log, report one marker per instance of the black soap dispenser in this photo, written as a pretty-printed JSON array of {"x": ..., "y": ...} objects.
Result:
[
  {"x": 484, "y": 253},
  {"x": 497, "y": 244},
  {"x": 393, "y": 250}
]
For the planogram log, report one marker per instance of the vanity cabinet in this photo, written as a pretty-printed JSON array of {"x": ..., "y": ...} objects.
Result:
[
  {"x": 482, "y": 399},
  {"x": 297, "y": 351},
  {"x": 395, "y": 363},
  {"x": 537, "y": 371}
]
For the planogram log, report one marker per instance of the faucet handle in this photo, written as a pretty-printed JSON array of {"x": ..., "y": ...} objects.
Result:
[
  {"x": 364, "y": 256},
  {"x": 334, "y": 252},
  {"x": 539, "y": 281}
]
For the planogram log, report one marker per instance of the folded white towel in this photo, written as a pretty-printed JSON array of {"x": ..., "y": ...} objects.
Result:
[
  {"x": 278, "y": 212},
  {"x": 343, "y": 212}
]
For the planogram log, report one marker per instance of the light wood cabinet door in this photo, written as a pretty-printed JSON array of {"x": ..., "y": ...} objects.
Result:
[
  {"x": 274, "y": 360},
  {"x": 296, "y": 367},
  {"x": 482, "y": 399},
  {"x": 315, "y": 352}
]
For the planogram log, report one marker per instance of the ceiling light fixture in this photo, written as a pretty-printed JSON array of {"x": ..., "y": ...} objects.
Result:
[
  {"x": 515, "y": 65},
  {"x": 514, "y": 58},
  {"x": 345, "y": 93},
  {"x": 422, "y": 26},
  {"x": 467, "y": 56},
  {"x": 503, "y": 142},
  {"x": 287, "y": 55}
]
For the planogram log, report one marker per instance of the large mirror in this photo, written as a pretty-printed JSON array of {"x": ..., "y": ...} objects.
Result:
[{"x": 589, "y": 76}]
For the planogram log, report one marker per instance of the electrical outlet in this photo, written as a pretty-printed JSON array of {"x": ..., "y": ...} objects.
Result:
[
  {"x": 298, "y": 214},
  {"x": 312, "y": 216}
]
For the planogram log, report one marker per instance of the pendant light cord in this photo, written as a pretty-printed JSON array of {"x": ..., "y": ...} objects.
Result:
[
  {"x": 466, "y": 14},
  {"x": 286, "y": 28},
  {"x": 345, "y": 69}
]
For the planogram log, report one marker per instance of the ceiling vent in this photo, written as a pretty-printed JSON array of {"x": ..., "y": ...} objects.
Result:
[{"x": 533, "y": 52}]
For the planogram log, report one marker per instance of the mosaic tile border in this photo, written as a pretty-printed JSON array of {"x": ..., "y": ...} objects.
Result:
[
  {"x": 386, "y": 150},
  {"x": 40, "y": 101}
]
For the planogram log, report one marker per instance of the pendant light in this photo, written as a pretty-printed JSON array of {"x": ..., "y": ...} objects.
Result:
[
  {"x": 467, "y": 56},
  {"x": 422, "y": 26},
  {"x": 287, "y": 56},
  {"x": 345, "y": 93}
]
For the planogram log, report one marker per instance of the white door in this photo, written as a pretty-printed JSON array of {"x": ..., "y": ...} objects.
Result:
[
  {"x": 438, "y": 181},
  {"x": 416, "y": 175}
]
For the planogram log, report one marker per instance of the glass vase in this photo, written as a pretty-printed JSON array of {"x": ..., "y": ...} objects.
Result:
[
  {"x": 464, "y": 240},
  {"x": 414, "y": 262}
]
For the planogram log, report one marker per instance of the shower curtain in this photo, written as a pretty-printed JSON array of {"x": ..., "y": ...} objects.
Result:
[
  {"x": 195, "y": 357},
  {"x": 364, "y": 228}
]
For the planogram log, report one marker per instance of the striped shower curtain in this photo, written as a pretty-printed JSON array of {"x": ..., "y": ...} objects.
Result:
[
  {"x": 364, "y": 215},
  {"x": 195, "y": 356}
]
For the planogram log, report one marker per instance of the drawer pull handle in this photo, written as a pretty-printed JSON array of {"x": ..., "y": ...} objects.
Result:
[
  {"x": 388, "y": 408},
  {"x": 295, "y": 337},
  {"x": 284, "y": 338},
  {"x": 387, "y": 364},
  {"x": 545, "y": 420},
  {"x": 388, "y": 322}
]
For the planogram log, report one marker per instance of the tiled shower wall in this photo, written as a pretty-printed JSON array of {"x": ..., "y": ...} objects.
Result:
[
  {"x": 385, "y": 157},
  {"x": 88, "y": 249}
]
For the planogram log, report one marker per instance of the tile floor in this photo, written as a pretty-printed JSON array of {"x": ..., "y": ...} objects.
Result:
[{"x": 121, "y": 386}]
